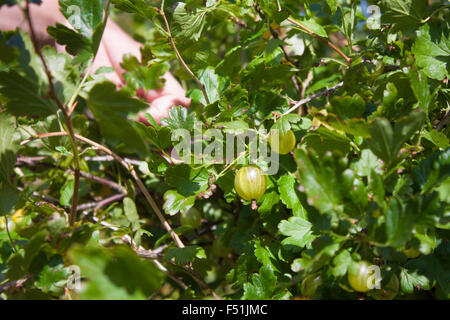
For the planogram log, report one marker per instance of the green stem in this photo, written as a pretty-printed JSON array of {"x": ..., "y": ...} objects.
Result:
[
  {"x": 9, "y": 235},
  {"x": 80, "y": 86},
  {"x": 230, "y": 165},
  {"x": 179, "y": 57}
]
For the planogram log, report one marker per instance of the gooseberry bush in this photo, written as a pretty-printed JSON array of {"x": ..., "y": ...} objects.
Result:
[{"x": 94, "y": 204}]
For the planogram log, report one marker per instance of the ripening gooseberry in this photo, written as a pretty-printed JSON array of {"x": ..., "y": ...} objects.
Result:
[
  {"x": 250, "y": 182},
  {"x": 286, "y": 142}
]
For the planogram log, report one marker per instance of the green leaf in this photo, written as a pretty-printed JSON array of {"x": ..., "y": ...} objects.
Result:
[
  {"x": 175, "y": 202},
  {"x": 236, "y": 127},
  {"x": 264, "y": 286},
  {"x": 400, "y": 220},
  {"x": 191, "y": 24},
  {"x": 75, "y": 43},
  {"x": 66, "y": 193},
  {"x": 355, "y": 190},
  {"x": 84, "y": 15},
  {"x": 179, "y": 119},
  {"x": 366, "y": 163},
  {"x": 341, "y": 263},
  {"x": 8, "y": 153},
  {"x": 266, "y": 255},
  {"x": 410, "y": 280},
  {"x": 213, "y": 84},
  {"x": 131, "y": 213},
  {"x": 7, "y": 52},
  {"x": 348, "y": 23},
  {"x": 314, "y": 26},
  {"x": 159, "y": 136},
  {"x": 272, "y": 51},
  {"x": 444, "y": 192},
  {"x": 324, "y": 140},
  {"x": 387, "y": 141},
  {"x": 419, "y": 85},
  {"x": 333, "y": 5},
  {"x": 438, "y": 138},
  {"x": 8, "y": 198},
  {"x": 24, "y": 96},
  {"x": 376, "y": 186},
  {"x": 382, "y": 140},
  {"x": 146, "y": 77},
  {"x": 110, "y": 108},
  {"x": 433, "y": 170},
  {"x": 325, "y": 249},
  {"x": 140, "y": 7},
  {"x": 433, "y": 266},
  {"x": 289, "y": 196},
  {"x": 115, "y": 273},
  {"x": 50, "y": 277},
  {"x": 186, "y": 254},
  {"x": 320, "y": 182},
  {"x": 348, "y": 107},
  {"x": 233, "y": 102},
  {"x": 105, "y": 97},
  {"x": 432, "y": 52},
  {"x": 355, "y": 127},
  {"x": 403, "y": 14},
  {"x": 8, "y": 146},
  {"x": 298, "y": 231},
  {"x": 188, "y": 181},
  {"x": 300, "y": 264},
  {"x": 283, "y": 124}
]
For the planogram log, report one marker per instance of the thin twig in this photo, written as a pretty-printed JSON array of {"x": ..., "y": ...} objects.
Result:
[
  {"x": 110, "y": 159},
  {"x": 140, "y": 184},
  {"x": 129, "y": 168},
  {"x": 324, "y": 40},
  {"x": 306, "y": 83},
  {"x": 82, "y": 207},
  {"x": 286, "y": 56},
  {"x": 43, "y": 197},
  {"x": 306, "y": 100},
  {"x": 177, "y": 53},
  {"x": 140, "y": 251},
  {"x": 239, "y": 22},
  {"x": 203, "y": 285},
  {"x": 102, "y": 203},
  {"x": 445, "y": 120},
  {"x": 36, "y": 161},
  {"x": 14, "y": 284},
  {"x": 30, "y": 161},
  {"x": 178, "y": 281},
  {"x": 68, "y": 121},
  {"x": 147, "y": 254},
  {"x": 275, "y": 36},
  {"x": 111, "y": 184},
  {"x": 144, "y": 190},
  {"x": 42, "y": 136}
]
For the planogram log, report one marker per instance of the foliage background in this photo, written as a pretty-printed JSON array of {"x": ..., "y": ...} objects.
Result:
[{"x": 369, "y": 179}]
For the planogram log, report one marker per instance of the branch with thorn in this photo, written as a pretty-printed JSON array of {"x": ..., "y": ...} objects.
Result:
[
  {"x": 308, "y": 99},
  {"x": 177, "y": 53},
  {"x": 66, "y": 113}
]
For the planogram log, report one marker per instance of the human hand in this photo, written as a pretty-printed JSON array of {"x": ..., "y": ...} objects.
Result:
[{"x": 114, "y": 44}]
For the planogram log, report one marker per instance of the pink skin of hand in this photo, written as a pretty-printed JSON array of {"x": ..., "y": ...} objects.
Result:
[{"x": 114, "y": 44}]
